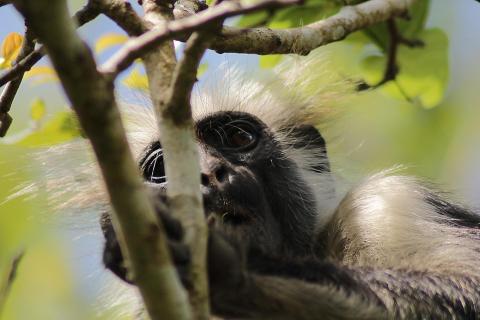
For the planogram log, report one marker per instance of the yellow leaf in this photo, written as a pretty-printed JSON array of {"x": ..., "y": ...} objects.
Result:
[
  {"x": 202, "y": 69},
  {"x": 43, "y": 74},
  {"x": 37, "y": 109},
  {"x": 109, "y": 40},
  {"x": 11, "y": 47},
  {"x": 136, "y": 80}
]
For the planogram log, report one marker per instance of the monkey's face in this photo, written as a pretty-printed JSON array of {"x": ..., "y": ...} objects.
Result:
[{"x": 243, "y": 174}]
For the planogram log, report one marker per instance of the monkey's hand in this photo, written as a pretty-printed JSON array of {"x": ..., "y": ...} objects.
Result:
[
  {"x": 179, "y": 252},
  {"x": 225, "y": 259}
]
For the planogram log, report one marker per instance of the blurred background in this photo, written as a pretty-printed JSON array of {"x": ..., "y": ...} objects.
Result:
[{"x": 431, "y": 126}]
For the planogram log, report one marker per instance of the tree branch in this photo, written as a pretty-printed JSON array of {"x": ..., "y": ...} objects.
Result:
[
  {"x": 93, "y": 100},
  {"x": 170, "y": 93},
  {"x": 178, "y": 103},
  {"x": 160, "y": 66},
  {"x": 302, "y": 40},
  {"x": 137, "y": 47},
  {"x": 122, "y": 13},
  {"x": 182, "y": 166}
]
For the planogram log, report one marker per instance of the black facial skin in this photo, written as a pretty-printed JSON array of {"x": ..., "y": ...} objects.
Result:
[
  {"x": 251, "y": 191},
  {"x": 248, "y": 185}
]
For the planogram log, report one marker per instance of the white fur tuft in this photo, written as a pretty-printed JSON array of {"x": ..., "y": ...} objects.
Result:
[{"x": 386, "y": 222}]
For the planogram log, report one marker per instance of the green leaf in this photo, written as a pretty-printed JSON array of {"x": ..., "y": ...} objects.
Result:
[
  {"x": 409, "y": 29},
  {"x": 418, "y": 17},
  {"x": 37, "y": 109},
  {"x": 61, "y": 128},
  {"x": 270, "y": 61},
  {"x": 423, "y": 72},
  {"x": 252, "y": 19},
  {"x": 372, "y": 69},
  {"x": 379, "y": 35}
]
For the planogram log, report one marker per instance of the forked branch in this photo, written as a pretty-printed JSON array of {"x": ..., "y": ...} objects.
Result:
[
  {"x": 137, "y": 47},
  {"x": 93, "y": 100}
]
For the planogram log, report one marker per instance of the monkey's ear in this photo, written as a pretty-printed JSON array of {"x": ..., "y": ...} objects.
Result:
[{"x": 309, "y": 138}]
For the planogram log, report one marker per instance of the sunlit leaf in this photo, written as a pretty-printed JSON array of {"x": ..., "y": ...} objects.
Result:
[
  {"x": 136, "y": 80},
  {"x": 269, "y": 61},
  {"x": 378, "y": 34},
  {"x": 11, "y": 46},
  {"x": 373, "y": 69},
  {"x": 202, "y": 69},
  {"x": 109, "y": 40},
  {"x": 412, "y": 27},
  {"x": 61, "y": 128},
  {"x": 37, "y": 109},
  {"x": 252, "y": 19},
  {"x": 42, "y": 74}
]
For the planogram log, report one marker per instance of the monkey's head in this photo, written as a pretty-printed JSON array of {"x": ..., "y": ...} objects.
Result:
[
  {"x": 265, "y": 172},
  {"x": 250, "y": 185}
]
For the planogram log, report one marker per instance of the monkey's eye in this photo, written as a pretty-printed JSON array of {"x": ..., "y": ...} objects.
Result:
[
  {"x": 238, "y": 135},
  {"x": 152, "y": 166}
]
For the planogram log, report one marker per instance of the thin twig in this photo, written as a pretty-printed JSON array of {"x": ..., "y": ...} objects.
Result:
[
  {"x": 178, "y": 143},
  {"x": 391, "y": 66},
  {"x": 178, "y": 103},
  {"x": 22, "y": 66},
  {"x": 8, "y": 279},
  {"x": 137, "y": 47}
]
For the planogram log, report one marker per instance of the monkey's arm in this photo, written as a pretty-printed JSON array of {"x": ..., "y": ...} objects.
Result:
[
  {"x": 312, "y": 289},
  {"x": 270, "y": 297}
]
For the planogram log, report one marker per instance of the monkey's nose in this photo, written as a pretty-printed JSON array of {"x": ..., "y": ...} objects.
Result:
[{"x": 215, "y": 177}]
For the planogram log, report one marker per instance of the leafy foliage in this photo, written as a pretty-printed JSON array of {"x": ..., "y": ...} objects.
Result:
[
  {"x": 423, "y": 71},
  {"x": 60, "y": 128}
]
